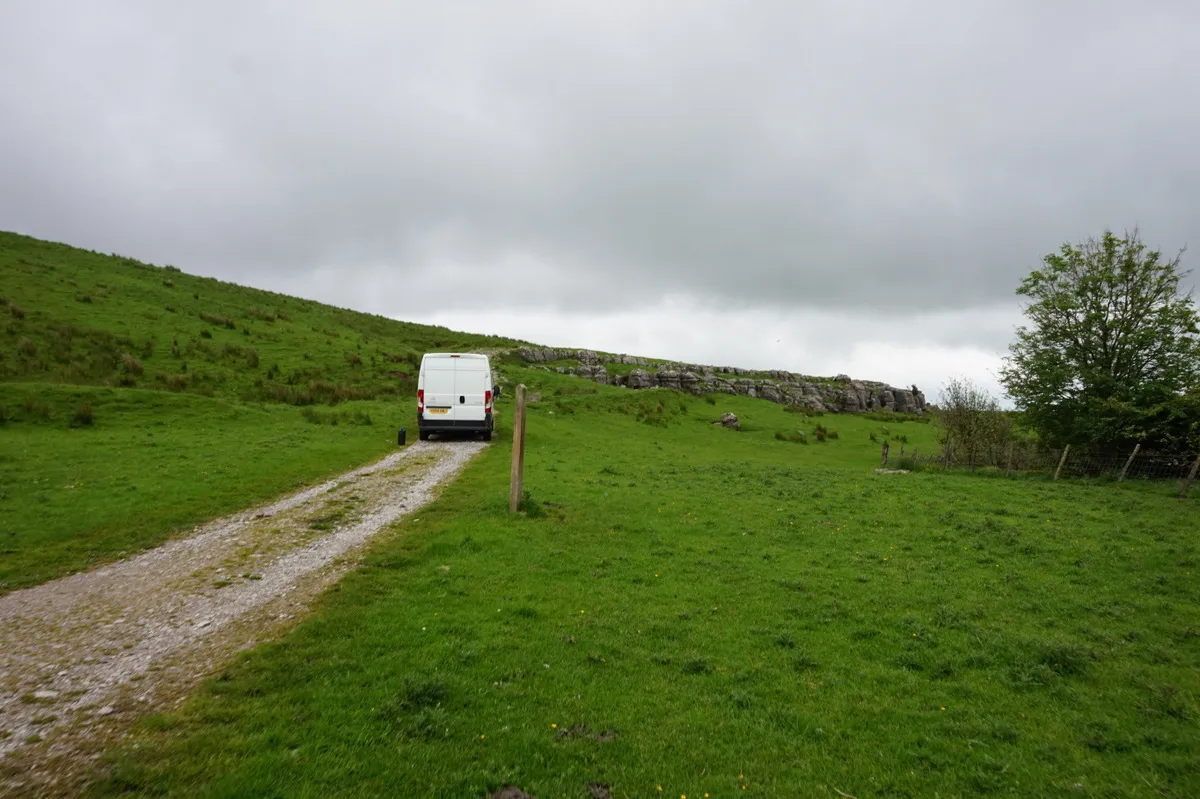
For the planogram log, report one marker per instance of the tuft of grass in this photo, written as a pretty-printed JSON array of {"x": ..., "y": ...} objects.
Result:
[{"x": 84, "y": 415}]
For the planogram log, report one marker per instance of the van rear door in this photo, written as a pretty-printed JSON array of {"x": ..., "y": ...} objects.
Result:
[
  {"x": 440, "y": 396},
  {"x": 470, "y": 383}
]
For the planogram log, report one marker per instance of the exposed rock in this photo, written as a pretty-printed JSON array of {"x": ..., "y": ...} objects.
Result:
[
  {"x": 770, "y": 391},
  {"x": 595, "y": 373},
  {"x": 729, "y": 420},
  {"x": 640, "y": 378},
  {"x": 843, "y": 394},
  {"x": 669, "y": 379},
  {"x": 532, "y": 355}
]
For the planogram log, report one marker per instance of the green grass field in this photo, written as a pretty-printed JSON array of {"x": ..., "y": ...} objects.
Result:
[
  {"x": 689, "y": 610},
  {"x": 681, "y": 609},
  {"x": 153, "y": 464},
  {"x": 206, "y": 398}
]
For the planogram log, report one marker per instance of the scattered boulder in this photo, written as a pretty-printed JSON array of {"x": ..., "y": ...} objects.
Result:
[{"x": 729, "y": 420}]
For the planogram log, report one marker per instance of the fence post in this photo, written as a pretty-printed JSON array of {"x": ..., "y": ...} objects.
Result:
[
  {"x": 1008, "y": 461},
  {"x": 946, "y": 453},
  {"x": 1187, "y": 485},
  {"x": 1129, "y": 462},
  {"x": 518, "y": 452},
  {"x": 883, "y": 456},
  {"x": 1062, "y": 461}
]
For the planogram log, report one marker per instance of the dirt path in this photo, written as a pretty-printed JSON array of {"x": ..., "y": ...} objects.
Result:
[{"x": 82, "y": 656}]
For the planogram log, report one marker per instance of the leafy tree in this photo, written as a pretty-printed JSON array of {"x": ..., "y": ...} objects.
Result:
[
  {"x": 973, "y": 430},
  {"x": 1111, "y": 354}
]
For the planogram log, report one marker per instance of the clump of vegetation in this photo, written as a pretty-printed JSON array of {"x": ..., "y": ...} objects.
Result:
[
  {"x": 219, "y": 321},
  {"x": 130, "y": 365},
  {"x": 84, "y": 416},
  {"x": 36, "y": 408},
  {"x": 820, "y": 433}
]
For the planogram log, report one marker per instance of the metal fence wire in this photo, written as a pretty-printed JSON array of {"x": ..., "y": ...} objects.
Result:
[{"x": 1138, "y": 464}]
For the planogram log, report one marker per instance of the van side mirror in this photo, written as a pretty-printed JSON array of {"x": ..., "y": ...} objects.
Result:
[{"x": 495, "y": 391}]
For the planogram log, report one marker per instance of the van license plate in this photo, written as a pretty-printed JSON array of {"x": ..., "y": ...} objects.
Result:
[{"x": 438, "y": 410}]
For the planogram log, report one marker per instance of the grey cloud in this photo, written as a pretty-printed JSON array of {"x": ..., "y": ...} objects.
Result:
[{"x": 839, "y": 155}]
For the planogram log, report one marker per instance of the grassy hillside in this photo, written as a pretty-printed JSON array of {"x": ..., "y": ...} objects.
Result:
[
  {"x": 136, "y": 400},
  {"x": 77, "y": 317},
  {"x": 690, "y": 610}
]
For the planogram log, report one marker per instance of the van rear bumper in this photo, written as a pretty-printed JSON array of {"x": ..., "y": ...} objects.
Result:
[{"x": 453, "y": 425}]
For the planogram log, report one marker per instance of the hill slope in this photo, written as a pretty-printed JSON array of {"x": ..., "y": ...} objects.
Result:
[
  {"x": 74, "y": 316},
  {"x": 136, "y": 400}
]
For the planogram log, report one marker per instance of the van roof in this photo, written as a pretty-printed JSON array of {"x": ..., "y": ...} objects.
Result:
[{"x": 471, "y": 355}]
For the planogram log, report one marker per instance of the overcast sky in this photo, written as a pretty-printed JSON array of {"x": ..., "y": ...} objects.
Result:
[{"x": 823, "y": 187}]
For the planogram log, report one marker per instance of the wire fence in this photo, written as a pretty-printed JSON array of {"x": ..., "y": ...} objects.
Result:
[{"x": 1137, "y": 464}]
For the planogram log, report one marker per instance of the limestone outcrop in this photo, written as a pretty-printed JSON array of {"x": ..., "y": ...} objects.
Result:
[{"x": 841, "y": 394}]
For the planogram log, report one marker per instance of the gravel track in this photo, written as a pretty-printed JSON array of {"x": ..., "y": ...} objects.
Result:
[{"x": 71, "y": 650}]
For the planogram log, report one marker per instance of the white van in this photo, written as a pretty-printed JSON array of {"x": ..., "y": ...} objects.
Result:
[{"x": 455, "y": 393}]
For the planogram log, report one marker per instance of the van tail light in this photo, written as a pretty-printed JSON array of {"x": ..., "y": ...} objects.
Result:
[
  {"x": 487, "y": 400},
  {"x": 420, "y": 400}
]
